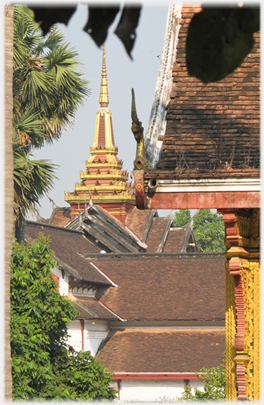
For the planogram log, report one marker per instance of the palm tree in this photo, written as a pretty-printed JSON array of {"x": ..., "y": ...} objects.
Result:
[
  {"x": 47, "y": 85},
  {"x": 47, "y": 90},
  {"x": 32, "y": 179},
  {"x": 8, "y": 191}
]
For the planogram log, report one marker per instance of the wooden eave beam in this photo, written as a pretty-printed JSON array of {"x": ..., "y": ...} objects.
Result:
[
  {"x": 229, "y": 192},
  {"x": 197, "y": 200}
]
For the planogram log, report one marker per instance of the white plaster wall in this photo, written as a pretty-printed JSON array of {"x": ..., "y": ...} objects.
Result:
[
  {"x": 63, "y": 282},
  {"x": 151, "y": 390},
  {"x": 196, "y": 383},
  {"x": 75, "y": 335},
  {"x": 94, "y": 333},
  {"x": 63, "y": 286}
]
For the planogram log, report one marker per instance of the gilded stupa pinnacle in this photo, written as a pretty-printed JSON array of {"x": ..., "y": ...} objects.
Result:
[
  {"x": 103, "y": 182},
  {"x": 104, "y": 100}
]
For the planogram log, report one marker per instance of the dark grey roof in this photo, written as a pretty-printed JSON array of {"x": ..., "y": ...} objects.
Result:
[{"x": 102, "y": 228}]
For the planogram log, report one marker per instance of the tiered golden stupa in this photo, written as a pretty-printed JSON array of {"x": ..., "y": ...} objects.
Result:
[{"x": 103, "y": 181}]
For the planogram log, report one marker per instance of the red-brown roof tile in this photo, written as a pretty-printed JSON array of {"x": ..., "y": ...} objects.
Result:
[
  {"x": 188, "y": 287},
  {"x": 60, "y": 216},
  {"x": 156, "y": 233},
  {"x": 212, "y": 130},
  {"x": 90, "y": 308},
  {"x": 66, "y": 244},
  {"x": 163, "y": 350},
  {"x": 136, "y": 221},
  {"x": 175, "y": 240}
]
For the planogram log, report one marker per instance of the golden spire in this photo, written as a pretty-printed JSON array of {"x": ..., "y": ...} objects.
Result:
[{"x": 104, "y": 89}]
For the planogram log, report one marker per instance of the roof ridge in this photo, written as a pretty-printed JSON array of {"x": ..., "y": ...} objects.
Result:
[
  {"x": 166, "y": 232},
  {"x": 62, "y": 228},
  {"x": 149, "y": 255}
]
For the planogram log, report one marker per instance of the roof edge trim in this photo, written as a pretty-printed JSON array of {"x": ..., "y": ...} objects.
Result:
[{"x": 107, "y": 278}]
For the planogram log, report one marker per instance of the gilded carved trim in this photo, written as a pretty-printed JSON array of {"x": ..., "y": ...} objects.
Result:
[
  {"x": 230, "y": 322},
  {"x": 250, "y": 275},
  {"x": 242, "y": 292}
]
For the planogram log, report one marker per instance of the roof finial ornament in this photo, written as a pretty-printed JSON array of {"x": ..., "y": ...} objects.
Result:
[
  {"x": 53, "y": 203},
  {"x": 141, "y": 162},
  {"x": 90, "y": 199},
  {"x": 104, "y": 101}
]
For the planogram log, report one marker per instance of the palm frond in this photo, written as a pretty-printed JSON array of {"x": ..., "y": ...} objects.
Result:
[{"x": 32, "y": 180}]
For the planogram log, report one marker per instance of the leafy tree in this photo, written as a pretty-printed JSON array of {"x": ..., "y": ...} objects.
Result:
[
  {"x": 84, "y": 377},
  {"x": 209, "y": 231},
  {"x": 182, "y": 218},
  {"x": 41, "y": 364},
  {"x": 47, "y": 90},
  {"x": 214, "y": 385}
]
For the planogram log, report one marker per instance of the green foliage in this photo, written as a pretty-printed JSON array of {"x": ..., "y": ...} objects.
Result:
[
  {"x": 32, "y": 179},
  {"x": 47, "y": 86},
  {"x": 182, "y": 218},
  {"x": 84, "y": 377},
  {"x": 47, "y": 91},
  {"x": 214, "y": 385},
  {"x": 209, "y": 231},
  {"x": 41, "y": 365}
]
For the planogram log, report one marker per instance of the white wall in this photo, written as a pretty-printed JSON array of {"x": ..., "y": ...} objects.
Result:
[
  {"x": 151, "y": 390},
  {"x": 63, "y": 282},
  {"x": 75, "y": 335},
  {"x": 196, "y": 383},
  {"x": 94, "y": 333}
]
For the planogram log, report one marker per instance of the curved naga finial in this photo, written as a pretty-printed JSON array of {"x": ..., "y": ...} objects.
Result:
[{"x": 140, "y": 163}]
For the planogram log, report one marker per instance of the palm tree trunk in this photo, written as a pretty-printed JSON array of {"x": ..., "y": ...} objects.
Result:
[
  {"x": 8, "y": 189},
  {"x": 20, "y": 229}
]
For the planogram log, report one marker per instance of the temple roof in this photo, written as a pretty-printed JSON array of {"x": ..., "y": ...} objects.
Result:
[
  {"x": 165, "y": 286},
  {"x": 208, "y": 156},
  {"x": 66, "y": 244},
  {"x": 164, "y": 350},
  {"x": 105, "y": 231},
  {"x": 91, "y": 308},
  {"x": 212, "y": 130}
]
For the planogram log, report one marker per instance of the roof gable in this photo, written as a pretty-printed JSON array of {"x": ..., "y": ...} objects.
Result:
[
  {"x": 212, "y": 130},
  {"x": 107, "y": 232}
]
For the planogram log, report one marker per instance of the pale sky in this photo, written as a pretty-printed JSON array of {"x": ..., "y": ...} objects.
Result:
[{"x": 72, "y": 149}]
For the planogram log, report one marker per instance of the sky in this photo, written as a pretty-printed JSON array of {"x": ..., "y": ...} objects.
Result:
[{"x": 73, "y": 148}]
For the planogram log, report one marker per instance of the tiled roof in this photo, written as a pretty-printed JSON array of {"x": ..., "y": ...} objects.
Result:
[
  {"x": 66, "y": 244},
  {"x": 136, "y": 221},
  {"x": 156, "y": 233},
  {"x": 163, "y": 350},
  {"x": 92, "y": 309},
  {"x": 166, "y": 287},
  {"x": 60, "y": 216},
  {"x": 212, "y": 130},
  {"x": 175, "y": 240}
]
